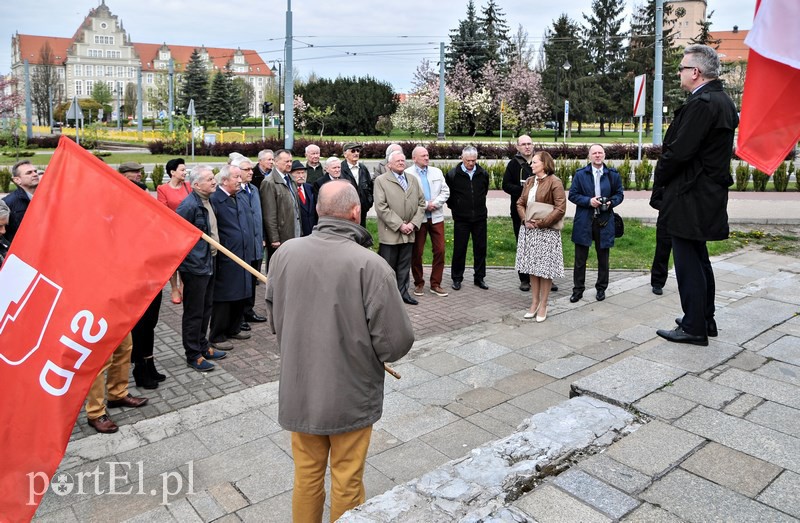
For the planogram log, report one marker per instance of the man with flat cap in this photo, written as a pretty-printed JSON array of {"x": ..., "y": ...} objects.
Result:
[{"x": 357, "y": 173}]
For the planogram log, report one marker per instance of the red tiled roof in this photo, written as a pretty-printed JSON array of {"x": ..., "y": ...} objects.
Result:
[
  {"x": 30, "y": 47},
  {"x": 732, "y": 48},
  {"x": 181, "y": 54}
]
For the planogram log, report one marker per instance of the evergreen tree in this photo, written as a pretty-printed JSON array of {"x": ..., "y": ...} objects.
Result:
[
  {"x": 195, "y": 87},
  {"x": 467, "y": 44},
  {"x": 604, "y": 40},
  {"x": 242, "y": 99},
  {"x": 561, "y": 45},
  {"x": 704, "y": 36},
  {"x": 129, "y": 101},
  {"x": 495, "y": 33},
  {"x": 220, "y": 99},
  {"x": 641, "y": 54}
]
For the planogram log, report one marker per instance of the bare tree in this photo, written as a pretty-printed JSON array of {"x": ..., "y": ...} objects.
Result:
[{"x": 45, "y": 84}]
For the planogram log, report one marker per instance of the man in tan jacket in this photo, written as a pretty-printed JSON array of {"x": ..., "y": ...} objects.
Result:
[{"x": 400, "y": 205}]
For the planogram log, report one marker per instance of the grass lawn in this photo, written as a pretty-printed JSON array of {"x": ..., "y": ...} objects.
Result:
[{"x": 633, "y": 251}]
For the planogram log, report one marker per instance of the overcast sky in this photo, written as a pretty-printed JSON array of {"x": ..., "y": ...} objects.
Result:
[{"x": 350, "y": 38}]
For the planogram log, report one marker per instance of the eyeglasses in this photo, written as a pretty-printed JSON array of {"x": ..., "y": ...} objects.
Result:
[{"x": 682, "y": 67}]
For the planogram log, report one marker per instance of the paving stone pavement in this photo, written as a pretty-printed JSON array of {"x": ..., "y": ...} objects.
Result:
[{"x": 720, "y": 438}]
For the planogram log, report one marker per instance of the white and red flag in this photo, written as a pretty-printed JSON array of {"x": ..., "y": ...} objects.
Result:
[
  {"x": 91, "y": 254},
  {"x": 769, "y": 126}
]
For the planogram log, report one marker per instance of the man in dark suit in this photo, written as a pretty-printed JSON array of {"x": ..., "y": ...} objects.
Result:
[
  {"x": 232, "y": 284},
  {"x": 306, "y": 201},
  {"x": 359, "y": 176},
  {"x": 333, "y": 171},
  {"x": 695, "y": 171},
  {"x": 26, "y": 177},
  {"x": 263, "y": 168}
]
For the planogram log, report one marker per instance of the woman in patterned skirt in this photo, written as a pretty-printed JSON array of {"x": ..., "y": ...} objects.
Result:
[{"x": 539, "y": 251}]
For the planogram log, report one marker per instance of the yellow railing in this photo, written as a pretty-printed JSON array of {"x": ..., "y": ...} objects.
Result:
[{"x": 130, "y": 135}]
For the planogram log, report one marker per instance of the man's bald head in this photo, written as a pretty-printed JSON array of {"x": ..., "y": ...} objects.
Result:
[{"x": 339, "y": 199}]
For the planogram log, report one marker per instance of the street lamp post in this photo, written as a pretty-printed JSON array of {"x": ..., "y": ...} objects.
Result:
[
  {"x": 280, "y": 92},
  {"x": 119, "y": 108},
  {"x": 566, "y": 66}
]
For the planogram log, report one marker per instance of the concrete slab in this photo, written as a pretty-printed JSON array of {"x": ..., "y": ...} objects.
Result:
[
  {"x": 546, "y": 350},
  {"x": 742, "y": 405},
  {"x": 408, "y": 461},
  {"x": 654, "y": 448},
  {"x": 690, "y": 357},
  {"x": 537, "y": 400},
  {"x": 750, "y": 317},
  {"x": 595, "y": 493},
  {"x": 482, "y": 398},
  {"x": 780, "y": 371},
  {"x": 778, "y": 417},
  {"x": 278, "y": 508},
  {"x": 522, "y": 382},
  {"x": 442, "y": 363},
  {"x": 745, "y": 436},
  {"x": 614, "y": 383},
  {"x": 732, "y": 469},
  {"x": 615, "y": 473},
  {"x": 479, "y": 351},
  {"x": 547, "y": 504},
  {"x": 647, "y": 513},
  {"x": 687, "y": 496},
  {"x": 702, "y": 391},
  {"x": 457, "y": 439},
  {"x": 439, "y": 391},
  {"x": 785, "y": 349},
  {"x": 782, "y": 494},
  {"x": 483, "y": 375},
  {"x": 664, "y": 405},
  {"x": 563, "y": 367},
  {"x": 758, "y": 385}
]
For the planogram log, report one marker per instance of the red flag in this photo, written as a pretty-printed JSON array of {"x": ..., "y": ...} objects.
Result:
[
  {"x": 769, "y": 126},
  {"x": 89, "y": 257}
]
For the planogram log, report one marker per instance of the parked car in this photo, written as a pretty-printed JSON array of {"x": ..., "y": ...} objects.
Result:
[{"x": 551, "y": 125}]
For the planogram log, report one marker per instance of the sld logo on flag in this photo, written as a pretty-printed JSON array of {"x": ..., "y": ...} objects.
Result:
[{"x": 27, "y": 301}]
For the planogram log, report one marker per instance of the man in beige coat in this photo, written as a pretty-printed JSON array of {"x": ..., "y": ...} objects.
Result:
[
  {"x": 400, "y": 205},
  {"x": 331, "y": 383}
]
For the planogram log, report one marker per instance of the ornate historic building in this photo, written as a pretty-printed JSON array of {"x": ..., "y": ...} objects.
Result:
[{"x": 101, "y": 51}]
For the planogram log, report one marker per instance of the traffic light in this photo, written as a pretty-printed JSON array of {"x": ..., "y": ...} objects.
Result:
[{"x": 266, "y": 107}]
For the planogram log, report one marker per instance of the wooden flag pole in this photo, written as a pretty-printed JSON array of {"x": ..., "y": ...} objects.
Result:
[{"x": 246, "y": 266}]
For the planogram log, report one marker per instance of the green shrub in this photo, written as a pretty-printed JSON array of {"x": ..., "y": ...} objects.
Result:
[
  {"x": 780, "y": 178},
  {"x": 624, "y": 170},
  {"x": 796, "y": 175},
  {"x": 5, "y": 180},
  {"x": 760, "y": 180},
  {"x": 564, "y": 171},
  {"x": 642, "y": 173},
  {"x": 157, "y": 175},
  {"x": 742, "y": 176}
]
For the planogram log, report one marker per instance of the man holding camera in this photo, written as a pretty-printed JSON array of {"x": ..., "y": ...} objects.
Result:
[{"x": 596, "y": 190}]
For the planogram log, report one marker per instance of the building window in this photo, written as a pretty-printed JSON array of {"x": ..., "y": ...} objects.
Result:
[
  {"x": 260, "y": 81},
  {"x": 110, "y": 85},
  {"x": 238, "y": 59},
  {"x": 131, "y": 72},
  {"x": 113, "y": 54},
  {"x": 120, "y": 71},
  {"x": 78, "y": 69},
  {"x": 95, "y": 53},
  {"x": 89, "y": 70},
  {"x": 89, "y": 87},
  {"x": 110, "y": 70},
  {"x": 119, "y": 87},
  {"x": 78, "y": 88},
  {"x": 106, "y": 40},
  {"x": 163, "y": 55}
]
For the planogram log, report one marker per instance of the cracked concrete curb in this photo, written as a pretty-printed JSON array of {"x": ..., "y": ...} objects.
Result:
[{"x": 481, "y": 485}]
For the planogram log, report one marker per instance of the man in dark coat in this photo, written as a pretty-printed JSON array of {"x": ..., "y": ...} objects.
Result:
[
  {"x": 517, "y": 171},
  {"x": 469, "y": 186},
  {"x": 314, "y": 169},
  {"x": 26, "y": 177},
  {"x": 357, "y": 173},
  {"x": 232, "y": 284},
  {"x": 593, "y": 221},
  {"x": 197, "y": 271},
  {"x": 660, "y": 267},
  {"x": 694, "y": 169}
]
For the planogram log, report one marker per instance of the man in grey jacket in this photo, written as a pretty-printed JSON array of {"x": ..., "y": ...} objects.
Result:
[{"x": 331, "y": 381}]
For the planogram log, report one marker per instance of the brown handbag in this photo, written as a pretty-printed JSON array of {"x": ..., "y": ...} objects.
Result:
[{"x": 540, "y": 211}]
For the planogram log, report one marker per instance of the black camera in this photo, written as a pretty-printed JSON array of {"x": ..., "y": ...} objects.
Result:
[{"x": 605, "y": 205}]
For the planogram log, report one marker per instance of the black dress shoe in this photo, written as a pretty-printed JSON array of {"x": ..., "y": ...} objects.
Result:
[
  {"x": 245, "y": 326},
  {"x": 576, "y": 296},
  {"x": 601, "y": 295},
  {"x": 255, "y": 318},
  {"x": 482, "y": 284},
  {"x": 456, "y": 286},
  {"x": 711, "y": 327},
  {"x": 678, "y": 335},
  {"x": 525, "y": 286},
  {"x": 127, "y": 401},
  {"x": 554, "y": 288},
  {"x": 410, "y": 300},
  {"x": 657, "y": 291}
]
